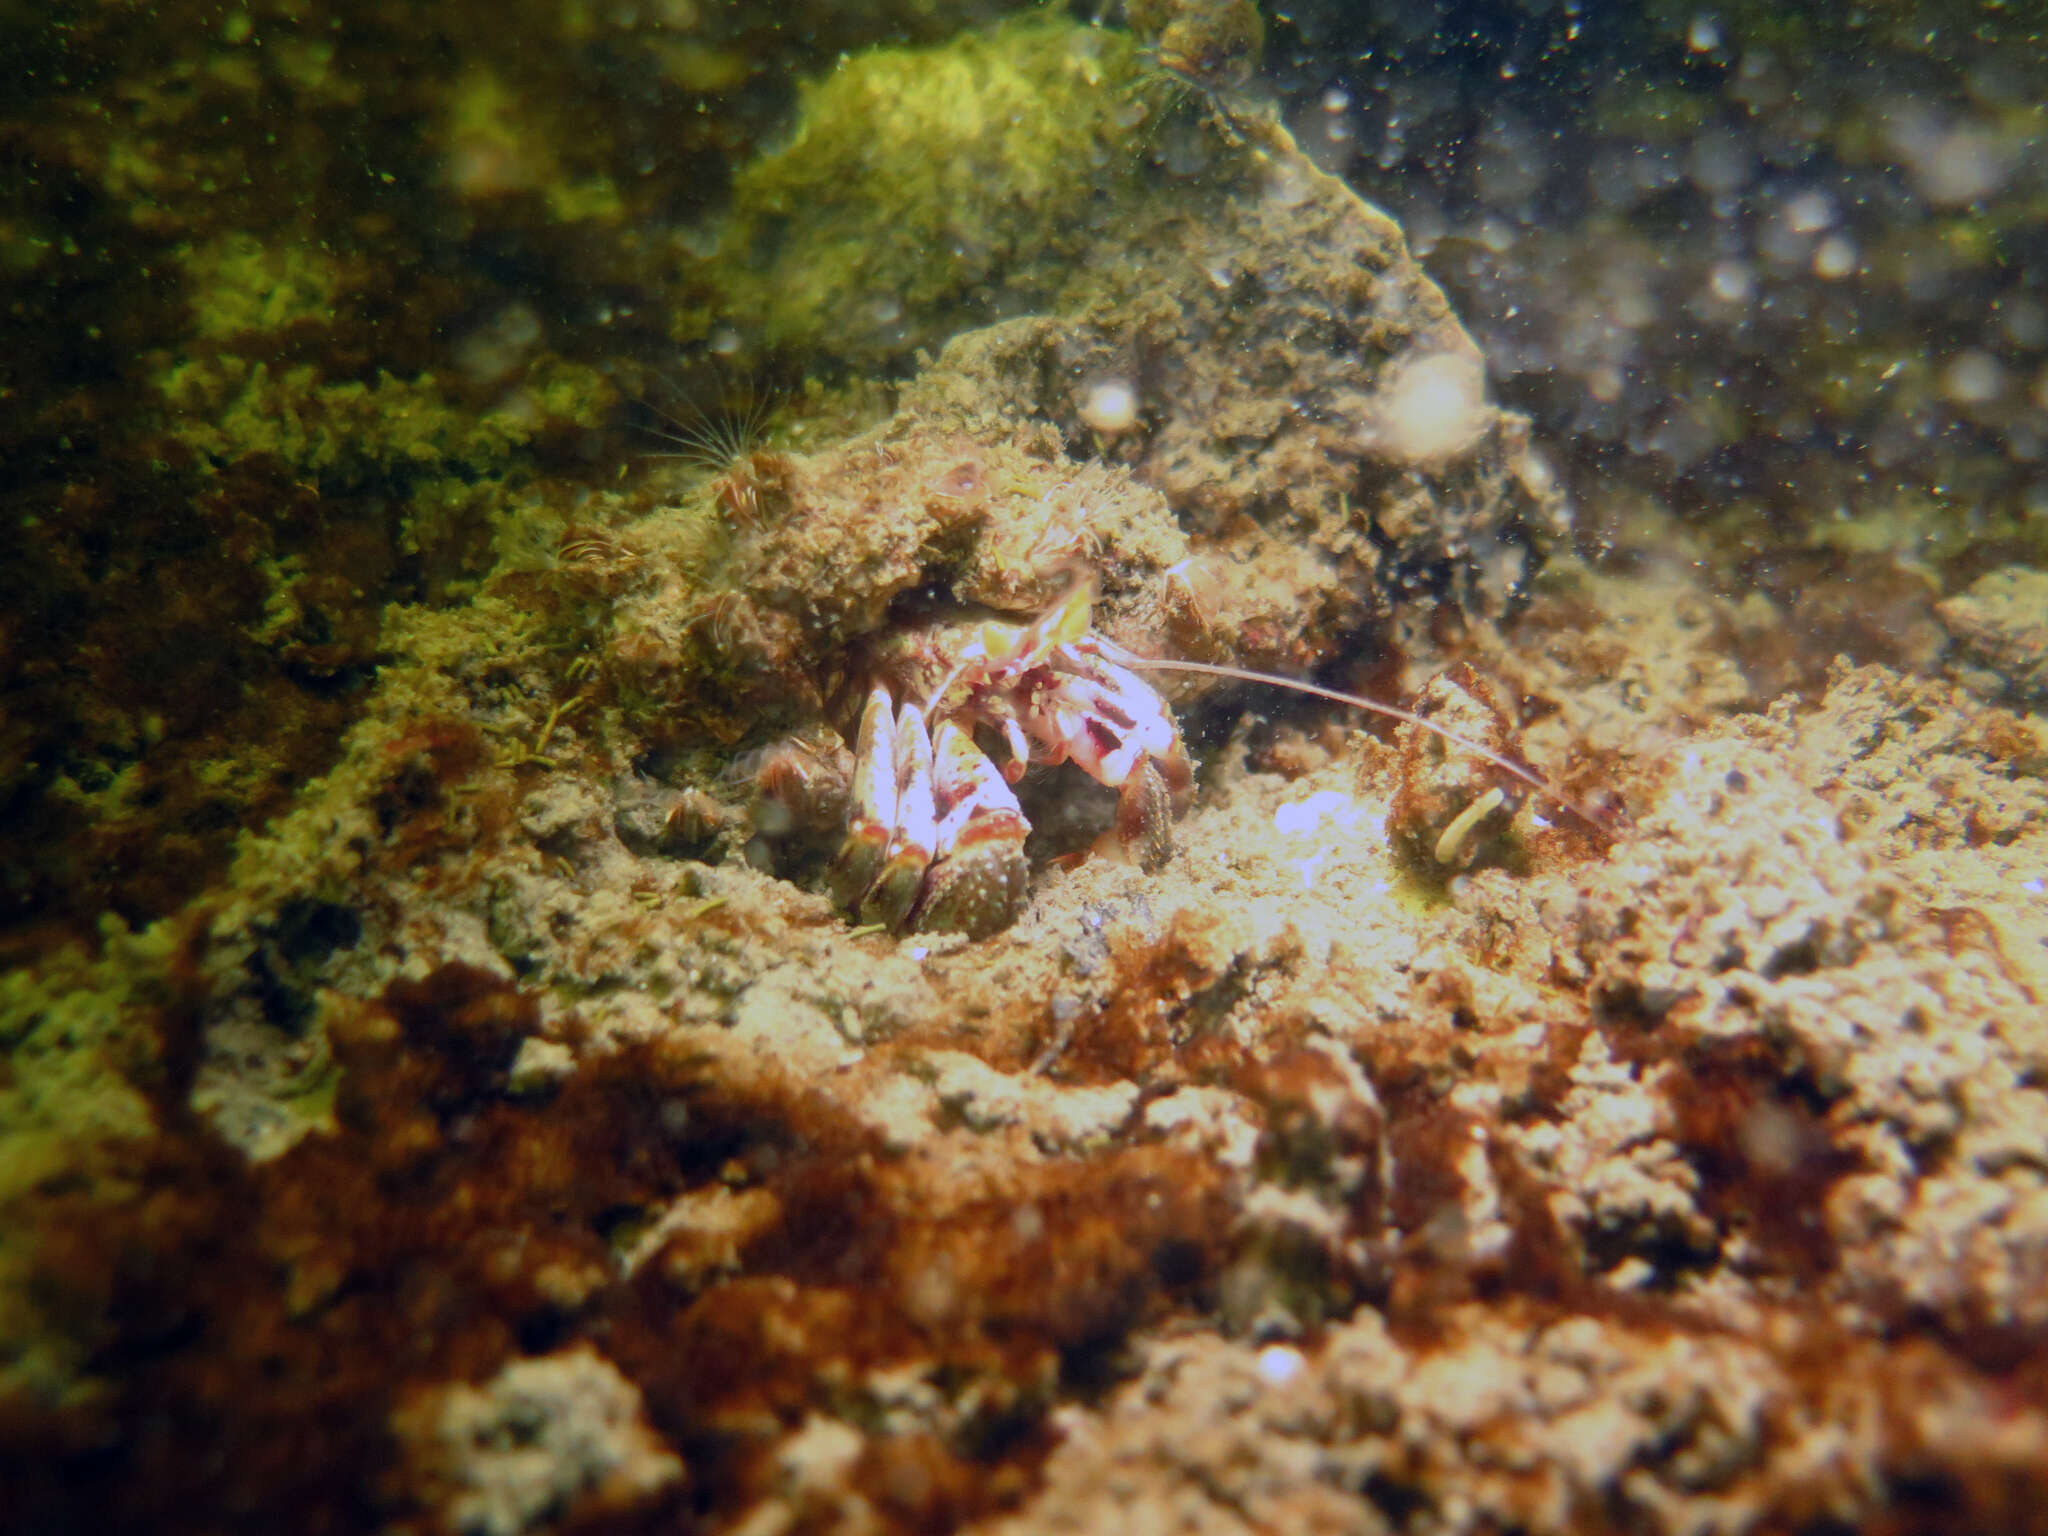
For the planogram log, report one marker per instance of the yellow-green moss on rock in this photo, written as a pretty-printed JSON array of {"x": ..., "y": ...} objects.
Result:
[
  {"x": 231, "y": 406},
  {"x": 921, "y": 184},
  {"x": 77, "y": 1036}
]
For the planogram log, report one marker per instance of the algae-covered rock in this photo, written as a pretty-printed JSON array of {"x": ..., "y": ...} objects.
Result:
[
  {"x": 925, "y": 189},
  {"x": 82, "y": 1051},
  {"x": 1299, "y": 390},
  {"x": 1281, "y": 371},
  {"x": 1234, "y": 327},
  {"x": 2001, "y": 625}
]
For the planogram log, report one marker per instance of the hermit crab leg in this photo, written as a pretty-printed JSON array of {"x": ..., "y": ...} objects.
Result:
[{"x": 1090, "y": 711}]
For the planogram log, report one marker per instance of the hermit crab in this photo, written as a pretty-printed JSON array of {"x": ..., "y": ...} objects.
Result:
[{"x": 936, "y": 836}]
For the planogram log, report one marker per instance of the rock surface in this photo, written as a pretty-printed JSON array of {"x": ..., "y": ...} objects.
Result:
[{"x": 509, "y": 1135}]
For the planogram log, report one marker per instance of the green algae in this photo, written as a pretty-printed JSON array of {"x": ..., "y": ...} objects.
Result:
[
  {"x": 499, "y": 145},
  {"x": 919, "y": 184},
  {"x": 237, "y": 283},
  {"x": 230, "y": 407},
  {"x": 449, "y": 482},
  {"x": 454, "y": 451},
  {"x": 79, "y": 1043},
  {"x": 76, "y": 1048}
]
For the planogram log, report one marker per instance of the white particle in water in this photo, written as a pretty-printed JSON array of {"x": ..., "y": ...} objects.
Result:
[
  {"x": 1809, "y": 212},
  {"x": 1430, "y": 410},
  {"x": 1280, "y": 1364},
  {"x": 1110, "y": 407},
  {"x": 1732, "y": 282},
  {"x": 1972, "y": 378},
  {"x": 1953, "y": 163},
  {"x": 1834, "y": 257}
]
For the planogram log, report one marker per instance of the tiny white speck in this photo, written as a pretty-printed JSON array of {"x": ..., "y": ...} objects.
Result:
[
  {"x": 1732, "y": 282},
  {"x": 1834, "y": 257},
  {"x": 2034, "y": 887},
  {"x": 1280, "y": 1364},
  {"x": 918, "y": 952}
]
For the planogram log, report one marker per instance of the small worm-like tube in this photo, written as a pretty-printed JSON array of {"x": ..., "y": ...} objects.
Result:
[{"x": 1452, "y": 842}]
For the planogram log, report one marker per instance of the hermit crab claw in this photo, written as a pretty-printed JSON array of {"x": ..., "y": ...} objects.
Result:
[
  {"x": 978, "y": 875},
  {"x": 1098, "y": 713},
  {"x": 936, "y": 838},
  {"x": 889, "y": 840}
]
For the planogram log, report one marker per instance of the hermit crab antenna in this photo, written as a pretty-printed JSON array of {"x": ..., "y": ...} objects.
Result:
[{"x": 1521, "y": 772}]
